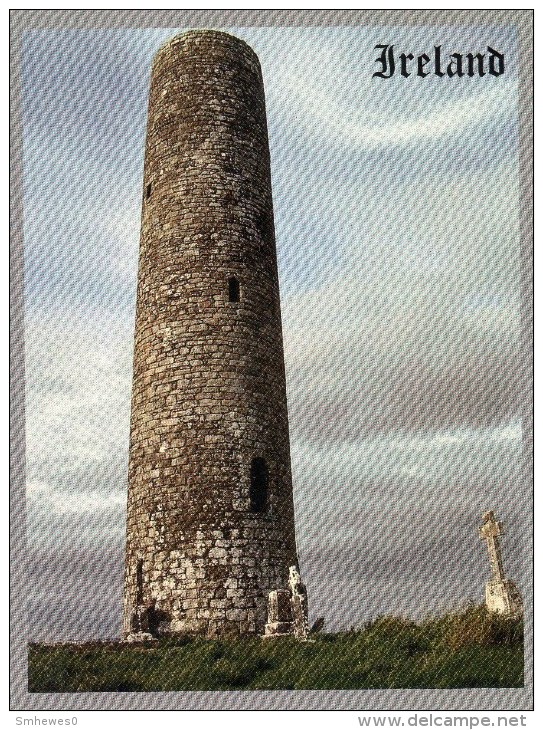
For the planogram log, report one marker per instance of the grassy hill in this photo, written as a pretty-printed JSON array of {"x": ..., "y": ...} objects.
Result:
[{"x": 466, "y": 649}]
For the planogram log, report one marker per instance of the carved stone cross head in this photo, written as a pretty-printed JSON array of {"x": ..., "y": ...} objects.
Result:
[{"x": 491, "y": 527}]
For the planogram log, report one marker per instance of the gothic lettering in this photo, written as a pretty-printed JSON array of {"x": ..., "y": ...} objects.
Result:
[
  {"x": 455, "y": 65},
  {"x": 492, "y": 58},
  {"x": 403, "y": 62},
  {"x": 422, "y": 61},
  {"x": 386, "y": 61}
]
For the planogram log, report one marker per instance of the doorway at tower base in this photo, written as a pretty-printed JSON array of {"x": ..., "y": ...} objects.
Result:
[{"x": 140, "y": 627}]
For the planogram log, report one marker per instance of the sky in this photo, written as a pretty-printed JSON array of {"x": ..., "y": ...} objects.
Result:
[{"x": 396, "y": 208}]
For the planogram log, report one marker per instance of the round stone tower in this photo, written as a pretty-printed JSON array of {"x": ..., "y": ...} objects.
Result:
[{"x": 210, "y": 523}]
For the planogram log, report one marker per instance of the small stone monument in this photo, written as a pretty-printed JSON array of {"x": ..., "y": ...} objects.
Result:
[
  {"x": 299, "y": 603},
  {"x": 279, "y": 614},
  {"x": 287, "y": 609},
  {"x": 502, "y": 595}
]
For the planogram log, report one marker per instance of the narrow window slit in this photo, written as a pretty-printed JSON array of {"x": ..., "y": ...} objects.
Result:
[
  {"x": 258, "y": 490},
  {"x": 139, "y": 582},
  {"x": 148, "y": 191},
  {"x": 233, "y": 289}
]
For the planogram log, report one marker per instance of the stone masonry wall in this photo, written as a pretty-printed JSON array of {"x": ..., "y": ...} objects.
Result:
[{"x": 209, "y": 385}]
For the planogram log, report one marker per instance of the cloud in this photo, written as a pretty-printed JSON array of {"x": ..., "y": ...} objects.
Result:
[
  {"x": 417, "y": 325},
  {"x": 46, "y": 497},
  {"x": 81, "y": 588},
  {"x": 457, "y": 467},
  {"x": 81, "y": 231},
  {"x": 327, "y": 118},
  {"x": 77, "y": 400}
]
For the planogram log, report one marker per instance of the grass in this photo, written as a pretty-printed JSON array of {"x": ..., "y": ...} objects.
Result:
[{"x": 466, "y": 649}]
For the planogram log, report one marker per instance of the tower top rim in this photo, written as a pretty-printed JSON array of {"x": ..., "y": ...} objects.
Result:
[{"x": 182, "y": 38}]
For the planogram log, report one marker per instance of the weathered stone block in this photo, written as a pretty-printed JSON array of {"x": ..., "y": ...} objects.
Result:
[
  {"x": 279, "y": 614},
  {"x": 503, "y": 597},
  {"x": 279, "y": 606}
]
